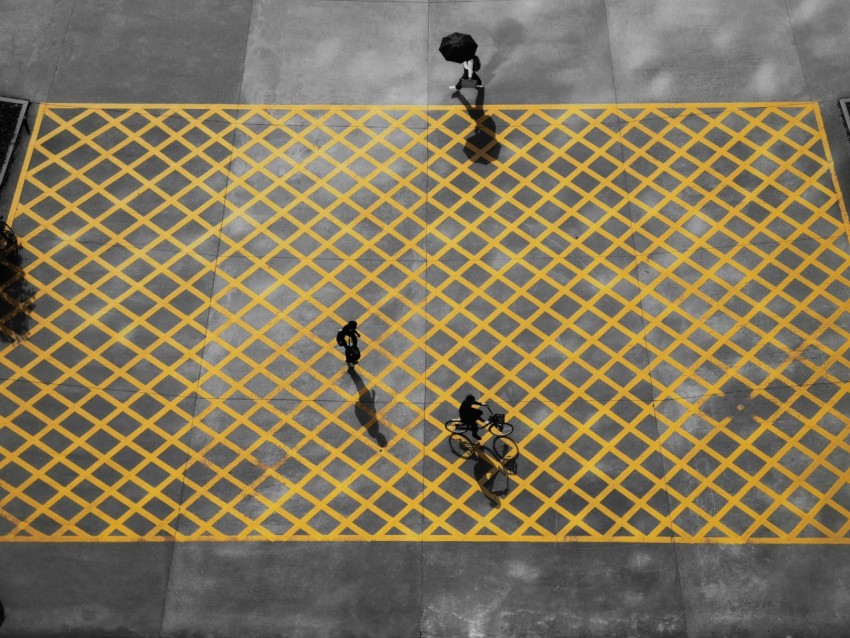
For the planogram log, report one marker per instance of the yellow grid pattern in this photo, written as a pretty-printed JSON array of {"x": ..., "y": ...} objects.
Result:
[{"x": 655, "y": 294}]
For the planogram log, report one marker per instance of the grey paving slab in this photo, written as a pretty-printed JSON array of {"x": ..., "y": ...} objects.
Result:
[
  {"x": 152, "y": 181},
  {"x": 536, "y": 589},
  {"x": 31, "y": 36},
  {"x": 91, "y": 457},
  {"x": 543, "y": 52},
  {"x": 272, "y": 332},
  {"x": 760, "y": 315},
  {"x": 84, "y": 589},
  {"x": 153, "y": 51},
  {"x": 333, "y": 189},
  {"x": 117, "y": 334},
  {"x": 524, "y": 328},
  {"x": 336, "y": 53},
  {"x": 820, "y": 27},
  {"x": 295, "y": 589},
  {"x": 779, "y": 190},
  {"x": 607, "y": 477},
  {"x": 555, "y": 189},
  {"x": 763, "y": 465},
  {"x": 304, "y": 470},
  {"x": 692, "y": 51},
  {"x": 764, "y": 590}
]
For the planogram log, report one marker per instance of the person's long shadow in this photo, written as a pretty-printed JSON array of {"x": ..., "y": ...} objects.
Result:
[
  {"x": 485, "y": 475},
  {"x": 481, "y": 147},
  {"x": 364, "y": 409},
  {"x": 16, "y": 294}
]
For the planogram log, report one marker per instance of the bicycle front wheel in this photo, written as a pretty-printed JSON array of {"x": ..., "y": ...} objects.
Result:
[
  {"x": 505, "y": 449},
  {"x": 455, "y": 425},
  {"x": 461, "y": 446},
  {"x": 501, "y": 429}
]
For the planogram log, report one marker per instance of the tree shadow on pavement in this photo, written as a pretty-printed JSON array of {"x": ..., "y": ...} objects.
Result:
[
  {"x": 481, "y": 147},
  {"x": 16, "y": 294},
  {"x": 364, "y": 409}
]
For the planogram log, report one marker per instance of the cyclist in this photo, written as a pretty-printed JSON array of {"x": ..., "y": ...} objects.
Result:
[{"x": 471, "y": 415}]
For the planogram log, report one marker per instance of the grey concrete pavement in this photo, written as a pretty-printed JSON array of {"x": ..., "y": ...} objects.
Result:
[
  {"x": 384, "y": 52},
  {"x": 435, "y": 590},
  {"x": 32, "y": 34},
  {"x": 690, "y": 51},
  {"x": 535, "y": 51},
  {"x": 329, "y": 52},
  {"x": 79, "y": 590},
  {"x": 153, "y": 51},
  {"x": 821, "y": 31}
]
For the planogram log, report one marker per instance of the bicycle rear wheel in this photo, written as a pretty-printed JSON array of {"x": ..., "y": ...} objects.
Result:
[
  {"x": 456, "y": 425},
  {"x": 461, "y": 446}
]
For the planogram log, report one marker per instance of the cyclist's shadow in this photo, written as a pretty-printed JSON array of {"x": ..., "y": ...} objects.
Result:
[
  {"x": 500, "y": 457},
  {"x": 485, "y": 475},
  {"x": 364, "y": 409}
]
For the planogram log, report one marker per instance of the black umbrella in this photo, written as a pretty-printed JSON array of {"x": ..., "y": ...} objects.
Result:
[{"x": 458, "y": 47}]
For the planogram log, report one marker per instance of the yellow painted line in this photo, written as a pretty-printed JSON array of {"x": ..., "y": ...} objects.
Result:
[{"x": 211, "y": 252}]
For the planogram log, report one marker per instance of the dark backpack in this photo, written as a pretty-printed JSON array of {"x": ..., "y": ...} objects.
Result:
[
  {"x": 340, "y": 338},
  {"x": 476, "y": 64},
  {"x": 352, "y": 354}
]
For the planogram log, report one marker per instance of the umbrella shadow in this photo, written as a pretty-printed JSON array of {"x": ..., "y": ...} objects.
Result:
[
  {"x": 364, "y": 409},
  {"x": 16, "y": 294},
  {"x": 481, "y": 147}
]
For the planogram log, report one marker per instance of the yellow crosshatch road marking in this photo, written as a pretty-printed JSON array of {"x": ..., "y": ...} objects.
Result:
[{"x": 656, "y": 295}]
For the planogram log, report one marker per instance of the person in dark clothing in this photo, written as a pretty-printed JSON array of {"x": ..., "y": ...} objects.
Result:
[
  {"x": 470, "y": 72},
  {"x": 347, "y": 338},
  {"x": 471, "y": 415},
  {"x": 350, "y": 332}
]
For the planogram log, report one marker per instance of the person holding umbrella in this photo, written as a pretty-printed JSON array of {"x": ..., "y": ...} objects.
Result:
[{"x": 460, "y": 47}]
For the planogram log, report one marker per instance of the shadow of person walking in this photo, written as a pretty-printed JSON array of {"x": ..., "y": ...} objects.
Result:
[
  {"x": 481, "y": 147},
  {"x": 364, "y": 409}
]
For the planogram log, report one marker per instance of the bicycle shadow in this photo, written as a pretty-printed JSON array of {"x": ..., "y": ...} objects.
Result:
[
  {"x": 364, "y": 409},
  {"x": 493, "y": 462},
  {"x": 485, "y": 475},
  {"x": 481, "y": 147}
]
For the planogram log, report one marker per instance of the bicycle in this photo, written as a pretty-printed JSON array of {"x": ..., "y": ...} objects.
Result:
[{"x": 496, "y": 424}]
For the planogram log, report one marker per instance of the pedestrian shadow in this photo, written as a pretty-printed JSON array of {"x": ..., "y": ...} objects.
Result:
[
  {"x": 16, "y": 294},
  {"x": 364, "y": 409},
  {"x": 481, "y": 147}
]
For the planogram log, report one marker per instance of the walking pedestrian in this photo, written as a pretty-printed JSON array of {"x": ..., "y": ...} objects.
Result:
[
  {"x": 347, "y": 338},
  {"x": 470, "y": 72}
]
